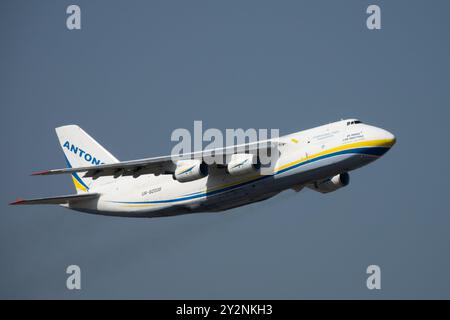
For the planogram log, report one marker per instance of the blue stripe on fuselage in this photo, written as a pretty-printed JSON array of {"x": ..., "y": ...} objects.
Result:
[{"x": 372, "y": 151}]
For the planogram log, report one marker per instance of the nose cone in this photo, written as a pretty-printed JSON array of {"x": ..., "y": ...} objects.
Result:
[
  {"x": 379, "y": 140},
  {"x": 387, "y": 138}
]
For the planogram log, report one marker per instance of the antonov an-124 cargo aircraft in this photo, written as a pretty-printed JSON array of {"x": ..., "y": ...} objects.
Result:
[{"x": 318, "y": 158}]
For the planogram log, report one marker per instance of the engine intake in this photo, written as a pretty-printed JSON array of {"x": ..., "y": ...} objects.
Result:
[
  {"x": 243, "y": 163},
  {"x": 331, "y": 184},
  {"x": 190, "y": 170}
]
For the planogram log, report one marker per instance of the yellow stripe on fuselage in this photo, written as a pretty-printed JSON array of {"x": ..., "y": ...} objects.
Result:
[{"x": 373, "y": 143}]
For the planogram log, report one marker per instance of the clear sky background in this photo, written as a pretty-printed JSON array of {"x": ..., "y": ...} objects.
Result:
[{"x": 140, "y": 69}]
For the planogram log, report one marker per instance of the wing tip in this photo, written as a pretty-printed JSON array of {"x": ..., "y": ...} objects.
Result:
[
  {"x": 40, "y": 173},
  {"x": 17, "y": 201}
]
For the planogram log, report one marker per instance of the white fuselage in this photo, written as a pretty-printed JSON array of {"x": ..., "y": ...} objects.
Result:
[{"x": 305, "y": 157}]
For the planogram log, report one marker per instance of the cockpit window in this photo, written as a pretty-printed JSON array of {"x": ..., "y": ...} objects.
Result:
[{"x": 349, "y": 123}]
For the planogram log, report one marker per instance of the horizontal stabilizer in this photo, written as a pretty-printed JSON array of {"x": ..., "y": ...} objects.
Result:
[{"x": 58, "y": 200}]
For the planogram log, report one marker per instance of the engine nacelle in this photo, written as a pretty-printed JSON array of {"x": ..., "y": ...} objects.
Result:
[
  {"x": 243, "y": 163},
  {"x": 190, "y": 170},
  {"x": 331, "y": 184}
]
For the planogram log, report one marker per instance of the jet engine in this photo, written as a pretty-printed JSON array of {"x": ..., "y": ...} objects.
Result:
[
  {"x": 243, "y": 163},
  {"x": 190, "y": 170},
  {"x": 331, "y": 184}
]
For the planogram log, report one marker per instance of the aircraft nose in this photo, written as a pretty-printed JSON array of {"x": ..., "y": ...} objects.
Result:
[{"x": 387, "y": 136}]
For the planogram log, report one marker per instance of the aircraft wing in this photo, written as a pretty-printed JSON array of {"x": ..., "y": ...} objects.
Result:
[
  {"x": 160, "y": 165},
  {"x": 57, "y": 200}
]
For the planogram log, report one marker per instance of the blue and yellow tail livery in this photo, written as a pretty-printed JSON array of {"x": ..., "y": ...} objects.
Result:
[{"x": 81, "y": 150}]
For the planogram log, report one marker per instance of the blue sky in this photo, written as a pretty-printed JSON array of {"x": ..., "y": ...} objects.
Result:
[{"x": 138, "y": 70}]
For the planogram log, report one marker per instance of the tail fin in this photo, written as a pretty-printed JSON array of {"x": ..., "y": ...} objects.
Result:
[{"x": 81, "y": 150}]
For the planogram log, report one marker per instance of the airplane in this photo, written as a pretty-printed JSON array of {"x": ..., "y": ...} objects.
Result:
[{"x": 318, "y": 158}]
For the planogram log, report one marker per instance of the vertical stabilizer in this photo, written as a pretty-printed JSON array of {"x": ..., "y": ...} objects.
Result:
[{"x": 81, "y": 150}]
